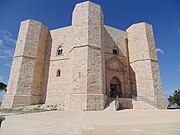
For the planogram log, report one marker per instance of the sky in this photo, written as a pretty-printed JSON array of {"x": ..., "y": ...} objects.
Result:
[{"x": 164, "y": 15}]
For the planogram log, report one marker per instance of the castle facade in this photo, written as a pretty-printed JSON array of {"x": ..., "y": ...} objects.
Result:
[{"x": 84, "y": 65}]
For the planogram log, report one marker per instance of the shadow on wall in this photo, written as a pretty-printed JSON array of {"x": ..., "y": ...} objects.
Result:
[
  {"x": 110, "y": 43},
  {"x": 46, "y": 69},
  {"x": 133, "y": 82}
]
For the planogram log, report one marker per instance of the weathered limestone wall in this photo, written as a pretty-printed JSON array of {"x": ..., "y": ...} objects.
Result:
[
  {"x": 126, "y": 103},
  {"x": 46, "y": 68},
  {"x": 25, "y": 83},
  {"x": 76, "y": 98},
  {"x": 87, "y": 59},
  {"x": 37, "y": 87},
  {"x": 143, "y": 61},
  {"x": 58, "y": 86},
  {"x": 114, "y": 37}
]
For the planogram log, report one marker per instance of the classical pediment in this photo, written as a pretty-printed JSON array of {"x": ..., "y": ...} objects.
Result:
[{"x": 115, "y": 63}]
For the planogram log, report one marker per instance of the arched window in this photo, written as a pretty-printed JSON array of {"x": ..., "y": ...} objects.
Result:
[
  {"x": 59, "y": 50},
  {"x": 58, "y": 73},
  {"x": 115, "y": 50}
]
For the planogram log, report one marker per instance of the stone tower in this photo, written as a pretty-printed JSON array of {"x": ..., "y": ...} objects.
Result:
[
  {"x": 144, "y": 63},
  {"x": 87, "y": 59},
  {"x": 25, "y": 83}
]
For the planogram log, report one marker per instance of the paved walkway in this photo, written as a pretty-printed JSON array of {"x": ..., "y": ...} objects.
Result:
[{"x": 125, "y": 122}]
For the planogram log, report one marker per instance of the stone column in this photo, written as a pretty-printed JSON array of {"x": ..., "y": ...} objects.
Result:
[
  {"x": 87, "y": 59},
  {"x": 144, "y": 63},
  {"x": 25, "y": 81}
]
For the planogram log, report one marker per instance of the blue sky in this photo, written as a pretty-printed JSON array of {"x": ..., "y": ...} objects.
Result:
[{"x": 164, "y": 15}]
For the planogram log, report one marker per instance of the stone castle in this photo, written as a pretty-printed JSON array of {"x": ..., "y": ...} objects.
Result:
[{"x": 85, "y": 65}]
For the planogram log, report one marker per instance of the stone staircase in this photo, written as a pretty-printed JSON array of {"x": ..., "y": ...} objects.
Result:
[
  {"x": 110, "y": 105},
  {"x": 141, "y": 102},
  {"x": 136, "y": 102}
]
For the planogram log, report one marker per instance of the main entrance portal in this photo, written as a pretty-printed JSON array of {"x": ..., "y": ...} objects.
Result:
[{"x": 115, "y": 88}]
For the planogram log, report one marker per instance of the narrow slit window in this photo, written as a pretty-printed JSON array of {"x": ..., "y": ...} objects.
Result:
[
  {"x": 58, "y": 73},
  {"x": 115, "y": 51}
]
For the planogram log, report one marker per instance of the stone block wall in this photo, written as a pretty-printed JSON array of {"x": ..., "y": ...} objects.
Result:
[
  {"x": 46, "y": 69},
  {"x": 58, "y": 86},
  {"x": 126, "y": 103},
  {"x": 114, "y": 37}
]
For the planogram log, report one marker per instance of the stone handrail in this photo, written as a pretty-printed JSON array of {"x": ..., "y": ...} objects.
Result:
[
  {"x": 145, "y": 99},
  {"x": 1, "y": 119}
]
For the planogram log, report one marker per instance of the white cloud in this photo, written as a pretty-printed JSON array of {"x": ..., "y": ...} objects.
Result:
[
  {"x": 158, "y": 50},
  {"x": 178, "y": 69},
  {"x": 6, "y": 36},
  {"x": 9, "y": 52},
  {"x": 9, "y": 39},
  {"x": 2, "y": 57},
  {"x": 7, "y": 47}
]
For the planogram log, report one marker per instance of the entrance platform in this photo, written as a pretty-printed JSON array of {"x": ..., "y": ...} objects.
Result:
[{"x": 123, "y": 103}]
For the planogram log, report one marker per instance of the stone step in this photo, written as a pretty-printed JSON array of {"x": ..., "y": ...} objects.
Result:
[
  {"x": 142, "y": 105},
  {"x": 110, "y": 105}
]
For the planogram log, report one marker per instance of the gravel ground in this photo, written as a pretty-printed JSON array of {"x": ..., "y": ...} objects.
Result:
[{"x": 125, "y": 122}]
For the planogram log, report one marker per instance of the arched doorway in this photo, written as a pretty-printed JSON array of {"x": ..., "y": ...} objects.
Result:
[{"x": 115, "y": 88}]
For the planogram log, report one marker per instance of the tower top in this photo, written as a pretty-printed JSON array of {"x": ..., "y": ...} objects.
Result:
[
  {"x": 88, "y": 21},
  {"x": 90, "y": 3},
  {"x": 87, "y": 6}
]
